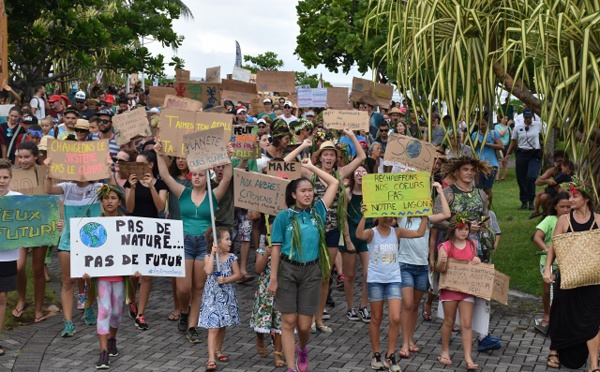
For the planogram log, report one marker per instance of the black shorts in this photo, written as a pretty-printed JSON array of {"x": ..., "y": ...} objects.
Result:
[{"x": 8, "y": 276}]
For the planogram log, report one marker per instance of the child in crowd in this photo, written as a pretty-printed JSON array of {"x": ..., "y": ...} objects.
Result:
[
  {"x": 219, "y": 303},
  {"x": 459, "y": 247},
  {"x": 544, "y": 198},
  {"x": 46, "y": 124}
]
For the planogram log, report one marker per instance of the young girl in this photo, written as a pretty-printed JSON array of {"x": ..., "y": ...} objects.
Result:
[
  {"x": 219, "y": 303},
  {"x": 111, "y": 290},
  {"x": 458, "y": 247},
  {"x": 384, "y": 281},
  {"x": 543, "y": 239}
]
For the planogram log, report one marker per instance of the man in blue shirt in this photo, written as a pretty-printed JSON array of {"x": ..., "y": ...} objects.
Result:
[{"x": 486, "y": 141}]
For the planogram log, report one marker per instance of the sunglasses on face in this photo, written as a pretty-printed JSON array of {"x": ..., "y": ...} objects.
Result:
[
  {"x": 103, "y": 121},
  {"x": 77, "y": 130},
  {"x": 360, "y": 173},
  {"x": 117, "y": 160},
  {"x": 286, "y": 107},
  {"x": 384, "y": 130},
  {"x": 262, "y": 126}
]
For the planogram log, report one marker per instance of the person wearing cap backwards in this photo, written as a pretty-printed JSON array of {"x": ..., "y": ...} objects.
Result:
[
  {"x": 526, "y": 138},
  {"x": 84, "y": 111},
  {"x": 287, "y": 115},
  {"x": 241, "y": 117},
  {"x": 105, "y": 131},
  {"x": 268, "y": 104},
  {"x": 56, "y": 108}
]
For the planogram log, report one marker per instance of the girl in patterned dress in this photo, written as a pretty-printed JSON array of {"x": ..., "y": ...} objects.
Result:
[{"x": 219, "y": 304}]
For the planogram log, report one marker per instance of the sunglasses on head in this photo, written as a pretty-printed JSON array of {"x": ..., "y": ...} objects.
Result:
[{"x": 35, "y": 132}]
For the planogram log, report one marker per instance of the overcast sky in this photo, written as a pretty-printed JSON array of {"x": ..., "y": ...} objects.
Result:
[{"x": 259, "y": 26}]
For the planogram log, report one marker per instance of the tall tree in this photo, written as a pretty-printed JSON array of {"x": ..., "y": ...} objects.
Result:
[{"x": 267, "y": 62}]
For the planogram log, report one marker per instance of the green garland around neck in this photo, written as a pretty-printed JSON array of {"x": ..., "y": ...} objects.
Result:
[
  {"x": 342, "y": 201},
  {"x": 296, "y": 246}
]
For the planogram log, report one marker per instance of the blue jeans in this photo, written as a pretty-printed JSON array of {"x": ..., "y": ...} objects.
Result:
[
  {"x": 380, "y": 291},
  {"x": 415, "y": 276},
  {"x": 194, "y": 247},
  {"x": 528, "y": 169}
]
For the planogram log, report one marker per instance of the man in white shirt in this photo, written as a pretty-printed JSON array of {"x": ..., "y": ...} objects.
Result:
[
  {"x": 287, "y": 115},
  {"x": 38, "y": 102}
]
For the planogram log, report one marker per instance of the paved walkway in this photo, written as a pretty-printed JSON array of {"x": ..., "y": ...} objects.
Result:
[{"x": 39, "y": 347}]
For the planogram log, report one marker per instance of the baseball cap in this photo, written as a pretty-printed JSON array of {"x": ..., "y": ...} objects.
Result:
[
  {"x": 261, "y": 121},
  {"x": 54, "y": 98},
  {"x": 310, "y": 113},
  {"x": 109, "y": 98},
  {"x": 240, "y": 109},
  {"x": 527, "y": 113},
  {"x": 105, "y": 111},
  {"x": 28, "y": 120},
  {"x": 267, "y": 100},
  {"x": 80, "y": 96},
  {"x": 72, "y": 110}
]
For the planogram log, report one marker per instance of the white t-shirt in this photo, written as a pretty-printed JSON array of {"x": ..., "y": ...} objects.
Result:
[
  {"x": 12, "y": 254},
  {"x": 288, "y": 120},
  {"x": 39, "y": 107}
]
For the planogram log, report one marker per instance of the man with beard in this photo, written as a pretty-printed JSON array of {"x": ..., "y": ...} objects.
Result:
[
  {"x": 69, "y": 118},
  {"x": 84, "y": 111},
  {"x": 105, "y": 131},
  {"x": 384, "y": 129}
]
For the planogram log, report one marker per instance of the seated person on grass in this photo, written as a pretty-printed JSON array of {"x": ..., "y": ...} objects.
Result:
[{"x": 544, "y": 198}]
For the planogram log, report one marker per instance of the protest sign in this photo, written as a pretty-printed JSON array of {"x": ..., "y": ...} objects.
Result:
[
  {"x": 291, "y": 170},
  {"x": 238, "y": 97},
  {"x": 276, "y": 81},
  {"x": 240, "y": 74},
  {"x": 120, "y": 246},
  {"x": 4, "y": 110},
  {"x": 127, "y": 168},
  {"x": 256, "y": 106},
  {"x": 367, "y": 91},
  {"x": 28, "y": 181},
  {"x": 342, "y": 119},
  {"x": 480, "y": 280},
  {"x": 239, "y": 86},
  {"x": 130, "y": 125},
  {"x": 244, "y": 142},
  {"x": 408, "y": 151},
  {"x": 182, "y": 76},
  {"x": 207, "y": 93},
  {"x": 180, "y": 103},
  {"x": 158, "y": 94},
  {"x": 28, "y": 221},
  {"x": 205, "y": 149},
  {"x": 337, "y": 98},
  {"x": 501, "y": 286},
  {"x": 259, "y": 192},
  {"x": 312, "y": 97},
  {"x": 213, "y": 74},
  {"x": 78, "y": 161},
  {"x": 217, "y": 109},
  {"x": 174, "y": 124},
  {"x": 406, "y": 194}
]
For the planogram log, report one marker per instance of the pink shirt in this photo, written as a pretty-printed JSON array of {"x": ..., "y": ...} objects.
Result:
[{"x": 465, "y": 254}]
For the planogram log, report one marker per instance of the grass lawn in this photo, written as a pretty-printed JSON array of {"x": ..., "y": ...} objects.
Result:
[{"x": 516, "y": 253}]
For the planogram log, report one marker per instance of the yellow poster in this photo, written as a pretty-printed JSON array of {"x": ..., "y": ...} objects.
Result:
[{"x": 405, "y": 194}]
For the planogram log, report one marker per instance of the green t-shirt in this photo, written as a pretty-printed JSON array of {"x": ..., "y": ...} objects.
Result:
[
  {"x": 195, "y": 219},
  {"x": 547, "y": 227}
]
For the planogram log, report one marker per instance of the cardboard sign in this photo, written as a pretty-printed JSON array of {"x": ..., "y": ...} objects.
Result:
[
  {"x": 240, "y": 74},
  {"x": 477, "y": 280},
  {"x": 238, "y": 86},
  {"x": 207, "y": 93},
  {"x": 375, "y": 94},
  {"x": 134, "y": 78},
  {"x": 130, "y": 125},
  {"x": 120, "y": 246},
  {"x": 237, "y": 96},
  {"x": 180, "y": 103},
  {"x": 175, "y": 124},
  {"x": 182, "y": 76},
  {"x": 217, "y": 109},
  {"x": 213, "y": 74},
  {"x": 205, "y": 149},
  {"x": 501, "y": 286},
  {"x": 337, "y": 98},
  {"x": 244, "y": 142},
  {"x": 408, "y": 151},
  {"x": 28, "y": 181},
  {"x": 276, "y": 81},
  {"x": 78, "y": 161},
  {"x": 282, "y": 169},
  {"x": 127, "y": 168},
  {"x": 312, "y": 97},
  {"x": 406, "y": 194},
  {"x": 256, "y": 107},
  {"x": 158, "y": 94},
  {"x": 28, "y": 221},
  {"x": 259, "y": 192},
  {"x": 342, "y": 119}
]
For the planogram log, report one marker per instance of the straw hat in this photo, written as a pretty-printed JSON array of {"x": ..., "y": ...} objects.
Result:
[
  {"x": 43, "y": 146},
  {"x": 327, "y": 145}
]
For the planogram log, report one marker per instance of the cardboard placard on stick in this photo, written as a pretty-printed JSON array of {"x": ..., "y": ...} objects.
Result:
[
  {"x": 158, "y": 94},
  {"x": 259, "y": 192},
  {"x": 213, "y": 74},
  {"x": 337, "y": 98},
  {"x": 475, "y": 279},
  {"x": 28, "y": 181},
  {"x": 342, "y": 119},
  {"x": 367, "y": 91},
  {"x": 130, "y": 125},
  {"x": 78, "y": 161},
  {"x": 181, "y": 103},
  {"x": 182, "y": 76},
  {"x": 276, "y": 81},
  {"x": 205, "y": 149},
  {"x": 127, "y": 168},
  {"x": 408, "y": 151},
  {"x": 207, "y": 93},
  {"x": 245, "y": 142},
  {"x": 291, "y": 170},
  {"x": 405, "y": 194}
]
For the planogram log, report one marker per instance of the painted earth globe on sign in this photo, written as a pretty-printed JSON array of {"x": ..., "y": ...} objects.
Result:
[
  {"x": 413, "y": 150},
  {"x": 93, "y": 234}
]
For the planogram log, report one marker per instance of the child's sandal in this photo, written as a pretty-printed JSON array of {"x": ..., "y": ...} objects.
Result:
[
  {"x": 211, "y": 365},
  {"x": 260, "y": 346},
  {"x": 278, "y": 359},
  {"x": 221, "y": 357}
]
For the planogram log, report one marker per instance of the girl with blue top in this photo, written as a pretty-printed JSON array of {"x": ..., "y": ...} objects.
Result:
[{"x": 300, "y": 261}]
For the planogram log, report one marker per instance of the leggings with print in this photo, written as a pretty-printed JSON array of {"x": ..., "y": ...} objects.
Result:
[{"x": 110, "y": 305}]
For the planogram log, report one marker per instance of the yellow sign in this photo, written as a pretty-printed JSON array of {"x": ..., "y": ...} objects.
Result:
[{"x": 405, "y": 194}]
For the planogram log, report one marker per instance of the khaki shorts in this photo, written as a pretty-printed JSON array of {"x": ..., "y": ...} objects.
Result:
[{"x": 298, "y": 289}]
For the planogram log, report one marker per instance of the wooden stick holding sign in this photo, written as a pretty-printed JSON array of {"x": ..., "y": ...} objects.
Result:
[
  {"x": 205, "y": 149},
  {"x": 406, "y": 194},
  {"x": 346, "y": 119},
  {"x": 212, "y": 218}
]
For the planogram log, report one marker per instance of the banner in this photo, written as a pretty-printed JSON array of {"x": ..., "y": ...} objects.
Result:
[
  {"x": 180, "y": 103},
  {"x": 130, "y": 125},
  {"x": 367, "y": 91},
  {"x": 312, "y": 97},
  {"x": 406, "y": 194},
  {"x": 213, "y": 74},
  {"x": 120, "y": 246},
  {"x": 244, "y": 142},
  {"x": 174, "y": 124},
  {"x": 337, "y": 98},
  {"x": 127, "y": 168},
  {"x": 342, "y": 119},
  {"x": 158, "y": 94},
  {"x": 276, "y": 81},
  {"x": 207, "y": 93},
  {"x": 205, "y": 149},
  {"x": 282, "y": 169},
  {"x": 240, "y": 74},
  {"x": 28, "y": 221},
  {"x": 28, "y": 181},
  {"x": 182, "y": 76},
  {"x": 259, "y": 192},
  {"x": 408, "y": 151},
  {"x": 479, "y": 280},
  {"x": 78, "y": 161}
]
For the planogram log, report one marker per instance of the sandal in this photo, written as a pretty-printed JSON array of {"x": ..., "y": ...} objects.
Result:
[
  {"x": 211, "y": 365},
  {"x": 426, "y": 315},
  {"x": 16, "y": 313},
  {"x": 553, "y": 361},
  {"x": 245, "y": 279},
  {"x": 313, "y": 328},
  {"x": 324, "y": 329},
  {"x": 404, "y": 354},
  {"x": 413, "y": 348},
  {"x": 260, "y": 346},
  {"x": 221, "y": 357},
  {"x": 472, "y": 366},
  {"x": 173, "y": 316},
  {"x": 40, "y": 319},
  {"x": 278, "y": 359},
  {"x": 445, "y": 361}
]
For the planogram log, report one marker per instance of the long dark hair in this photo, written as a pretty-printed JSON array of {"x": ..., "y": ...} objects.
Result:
[
  {"x": 291, "y": 188},
  {"x": 560, "y": 196},
  {"x": 174, "y": 170},
  {"x": 151, "y": 158}
]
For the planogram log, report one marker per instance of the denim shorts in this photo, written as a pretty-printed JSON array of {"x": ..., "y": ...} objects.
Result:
[
  {"x": 415, "y": 276},
  {"x": 194, "y": 247},
  {"x": 382, "y": 291}
]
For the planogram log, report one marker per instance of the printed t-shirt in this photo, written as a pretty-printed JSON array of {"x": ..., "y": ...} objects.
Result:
[{"x": 383, "y": 258}]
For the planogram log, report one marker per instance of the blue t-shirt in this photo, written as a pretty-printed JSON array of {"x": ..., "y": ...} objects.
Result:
[
  {"x": 309, "y": 232},
  {"x": 487, "y": 153},
  {"x": 376, "y": 118},
  {"x": 344, "y": 140}
]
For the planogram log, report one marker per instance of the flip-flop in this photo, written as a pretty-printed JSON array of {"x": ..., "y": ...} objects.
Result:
[
  {"x": 211, "y": 365},
  {"x": 40, "y": 319},
  {"x": 324, "y": 329},
  {"x": 404, "y": 354},
  {"x": 19, "y": 312},
  {"x": 413, "y": 348},
  {"x": 245, "y": 279},
  {"x": 174, "y": 317},
  {"x": 426, "y": 315},
  {"x": 221, "y": 357},
  {"x": 445, "y": 361}
]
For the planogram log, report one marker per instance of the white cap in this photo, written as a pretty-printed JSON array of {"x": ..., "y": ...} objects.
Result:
[
  {"x": 310, "y": 113},
  {"x": 80, "y": 95},
  {"x": 240, "y": 110},
  {"x": 267, "y": 100},
  {"x": 263, "y": 121},
  {"x": 288, "y": 103}
]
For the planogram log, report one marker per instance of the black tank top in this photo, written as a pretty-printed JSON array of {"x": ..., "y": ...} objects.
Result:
[{"x": 582, "y": 226}]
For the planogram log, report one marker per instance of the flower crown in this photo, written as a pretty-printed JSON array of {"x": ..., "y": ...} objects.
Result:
[
  {"x": 460, "y": 220},
  {"x": 104, "y": 190},
  {"x": 577, "y": 185}
]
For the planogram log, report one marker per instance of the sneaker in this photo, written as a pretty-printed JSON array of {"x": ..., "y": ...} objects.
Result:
[
  {"x": 68, "y": 330},
  {"x": 377, "y": 363},
  {"x": 523, "y": 207},
  {"x": 81, "y": 300},
  {"x": 89, "y": 316},
  {"x": 352, "y": 315},
  {"x": 103, "y": 362},
  {"x": 531, "y": 207},
  {"x": 340, "y": 281},
  {"x": 492, "y": 337},
  {"x": 363, "y": 312},
  {"x": 112, "y": 347},
  {"x": 326, "y": 315},
  {"x": 140, "y": 323},
  {"x": 132, "y": 310},
  {"x": 192, "y": 335},
  {"x": 488, "y": 343},
  {"x": 393, "y": 365},
  {"x": 302, "y": 360},
  {"x": 182, "y": 325}
]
